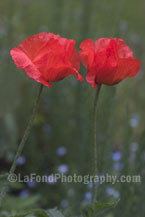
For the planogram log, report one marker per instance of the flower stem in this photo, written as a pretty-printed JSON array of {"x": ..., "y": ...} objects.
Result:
[
  {"x": 21, "y": 145},
  {"x": 95, "y": 164}
]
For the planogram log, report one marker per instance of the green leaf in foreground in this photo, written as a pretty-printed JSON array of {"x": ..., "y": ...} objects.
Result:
[
  {"x": 41, "y": 213},
  {"x": 96, "y": 208},
  {"x": 33, "y": 213},
  {"x": 15, "y": 204},
  {"x": 54, "y": 213}
]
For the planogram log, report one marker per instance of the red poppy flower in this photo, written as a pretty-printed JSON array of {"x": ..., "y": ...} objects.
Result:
[
  {"x": 47, "y": 58},
  {"x": 108, "y": 61}
]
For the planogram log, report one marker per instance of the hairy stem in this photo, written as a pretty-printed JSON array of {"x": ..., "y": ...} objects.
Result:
[
  {"x": 21, "y": 145},
  {"x": 95, "y": 164}
]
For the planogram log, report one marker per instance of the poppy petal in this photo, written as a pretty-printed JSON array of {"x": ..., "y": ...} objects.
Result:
[
  {"x": 122, "y": 49},
  {"x": 127, "y": 68},
  {"x": 87, "y": 52},
  {"x": 20, "y": 58},
  {"x": 23, "y": 62}
]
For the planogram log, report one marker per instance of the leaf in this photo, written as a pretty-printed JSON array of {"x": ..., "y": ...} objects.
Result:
[
  {"x": 4, "y": 214},
  {"x": 33, "y": 213},
  {"x": 96, "y": 208},
  {"x": 16, "y": 204},
  {"x": 54, "y": 213},
  {"x": 41, "y": 213}
]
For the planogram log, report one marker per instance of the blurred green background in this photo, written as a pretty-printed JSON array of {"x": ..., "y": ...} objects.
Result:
[{"x": 61, "y": 139}]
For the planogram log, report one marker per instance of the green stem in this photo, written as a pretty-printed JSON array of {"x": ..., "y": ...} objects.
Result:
[
  {"x": 22, "y": 143},
  {"x": 95, "y": 164}
]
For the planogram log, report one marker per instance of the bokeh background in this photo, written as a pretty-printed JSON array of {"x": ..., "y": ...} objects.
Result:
[{"x": 61, "y": 139}]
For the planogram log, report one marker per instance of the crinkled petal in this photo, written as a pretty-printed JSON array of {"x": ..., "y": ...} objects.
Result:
[
  {"x": 105, "y": 66},
  {"x": 71, "y": 53},
  {"x": 101, "y": 44},
  {"x": 20, "y": 58},
  {"x": 123, "y": 50},
  {"x": 33, "y": 73},
  {"x": 105, "y": 74},
  {"x": 74, "y": 59},
  {"x": 126, "y": 68},
  {"x": 134, "y": 67},
  {"x": 50, "y": 54},
  {"x": 58, "y": 73},
  {"x": 87, "y": 44},
  {"x": 55, "y": 61},
  {"x": 87, "y": 52},
  {"x": 23, "y": 62},
  {"x": 91, "y": 78},
  {"x": 32, "y": 45},
  {"x": 79, "y": 77}
]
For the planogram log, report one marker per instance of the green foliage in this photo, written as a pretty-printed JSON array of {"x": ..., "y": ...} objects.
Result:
[
  {"x": 54, "y": 213},
  {"x": 33, "y": 213},
  {"x": 15, "y": 204},
  {"x": 36, "y": 213},
  {"x": 96, "y": 208}
]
